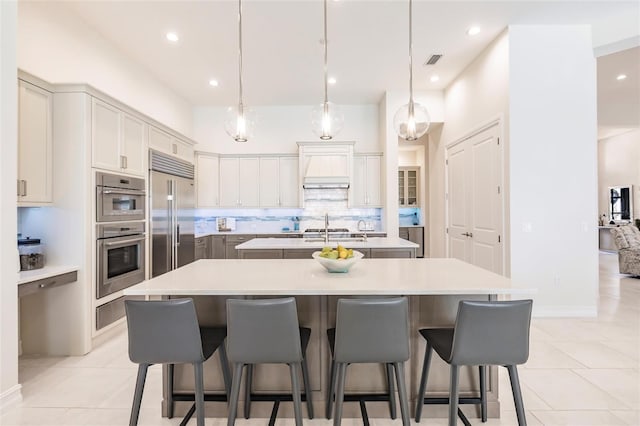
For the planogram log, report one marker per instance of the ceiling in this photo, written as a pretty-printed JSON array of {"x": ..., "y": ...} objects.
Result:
[{"x": 368, "y": 42}]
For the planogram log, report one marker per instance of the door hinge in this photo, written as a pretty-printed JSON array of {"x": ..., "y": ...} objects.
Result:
[{"x": 499, "y": 238}]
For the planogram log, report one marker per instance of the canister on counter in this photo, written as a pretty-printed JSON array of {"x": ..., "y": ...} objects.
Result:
[{"x": 31, "y": 254}]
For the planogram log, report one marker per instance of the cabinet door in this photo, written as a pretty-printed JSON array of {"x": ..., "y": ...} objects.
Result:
[
  {"x": 248, "y": 182},
  {"x": 35, "y": 162},
  {"x": 359, "y": 182},
  {"x": 374, "y": 173},
  {"x": 160, "y": 140},
  {"x": 134, "y": 145},
  {"x": 289, "y": 186},
  {"x": 229, "y": 188},
  {"x": 105, "y": 135},
  {"x": 207, "y": 169},
  {"x": 268, "y": 182}
]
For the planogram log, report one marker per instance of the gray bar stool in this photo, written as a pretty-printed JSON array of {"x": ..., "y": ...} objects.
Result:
[
  {"x": 260, "y": 332},
  {"x": 485, "y": 333},
  {"x": 371, "y": 331},
  {"x": 167, "y": 332}
]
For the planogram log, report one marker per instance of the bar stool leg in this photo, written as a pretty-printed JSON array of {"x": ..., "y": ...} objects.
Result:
[
  {"x": 517, "y": 394},
  {"x": 483, "y": 392},
  {"x": 235, "y": 394},
  {"x": 402, "y": 392},
  {"x": 332, "y": 388},
  {"x": 170, "y": 370},
  {"x": 307, "y": 387},
  {"x": 137, "y": 396},
  {"x": 197, "y": 369},
  {"x": 423, "y": 381},
  {"x": 453, "y": 395},
  {"x": 226, "y": 374},
  {"x": 248, "y": 382},
  {"x": 295, "y": 392},
  {"x": 392, "y": 392},
  {"x": 342, "y": 375}
]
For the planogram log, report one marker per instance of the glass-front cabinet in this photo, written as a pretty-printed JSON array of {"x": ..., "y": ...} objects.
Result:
[{"x": 408, "y": 186}]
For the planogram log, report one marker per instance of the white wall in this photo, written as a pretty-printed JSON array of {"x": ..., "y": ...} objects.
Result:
[
  {"x": 278, "y": 129},
  {"x": 619, "y": 165},
  {"x": 59, "y": 47},
  {"x": 553, "y": 167},
  {"x": 9, "y": 387},
  {"x": 478, "y": 95}
]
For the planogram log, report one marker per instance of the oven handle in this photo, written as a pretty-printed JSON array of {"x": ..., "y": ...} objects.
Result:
[
  {"x": 118, "y": 243},
  {"x": 123, "y": 191}
]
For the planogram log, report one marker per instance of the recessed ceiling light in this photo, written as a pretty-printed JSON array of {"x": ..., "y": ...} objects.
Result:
[
  {"x": 434, "y": 78},
  {"x": 172, "y": 37},
  {"x": 213, "y": 83},
  {"x": 473, "y": 30},
  {"x": 621, "y": 77},
  {"x": 331, "y": 80}
]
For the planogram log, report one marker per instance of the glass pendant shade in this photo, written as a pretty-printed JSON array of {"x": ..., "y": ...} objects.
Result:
[
  {"x": 411, "y": 121},
  {"x": 326, "y": 120},
  {"x": 240, "y": 123}
]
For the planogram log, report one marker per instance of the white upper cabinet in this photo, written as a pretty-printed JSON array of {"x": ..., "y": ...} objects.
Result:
[
  {"x": 164, "y": 142},
  {"x": 35, "y": 145},
  {"x": 269, "y": 182},
  {"x": 288, "y": 179},
  {"x": 279, "y": 181},
  {"x": 207, "y": 180},
  {"x": 366, "y": 182},
  {"x": 239, "y": 182},
  {"x": 118, "y": 140}
]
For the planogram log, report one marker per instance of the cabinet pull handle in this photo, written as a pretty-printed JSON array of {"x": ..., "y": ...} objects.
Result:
[
  {"x": 19, "y": 186},
  {"x": 174, "y": 148},
  {"x": 43, "y": 285},
  {"x": 123, "y": 162},
  {"x": 24, "y": 188}
]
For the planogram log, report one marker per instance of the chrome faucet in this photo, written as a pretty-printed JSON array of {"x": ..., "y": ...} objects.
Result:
[
  {"x": 326, "y": 227},
  {"x": 363, "y": 229}
]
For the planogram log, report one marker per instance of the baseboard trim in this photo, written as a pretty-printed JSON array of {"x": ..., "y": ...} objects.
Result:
[
  {"x": 565, "y": 311},
  {"x": 10, "y": 397}
]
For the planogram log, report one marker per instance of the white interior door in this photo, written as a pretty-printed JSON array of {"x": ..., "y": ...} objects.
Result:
[{"x": 474, "y": 203}]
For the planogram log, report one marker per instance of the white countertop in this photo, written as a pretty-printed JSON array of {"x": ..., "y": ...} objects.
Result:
[
  {"x": 46, "y": 272},
  {"x": 300, "y": 243},
  {"x": 307, "y": 277}
]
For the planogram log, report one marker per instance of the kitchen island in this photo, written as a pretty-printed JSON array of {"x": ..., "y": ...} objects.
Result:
[
  {"x": 434, "y": 287},
  {"x": 302, "y": 248}
]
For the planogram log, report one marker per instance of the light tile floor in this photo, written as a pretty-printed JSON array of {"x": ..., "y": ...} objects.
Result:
[{"x": 580, "y": 372}]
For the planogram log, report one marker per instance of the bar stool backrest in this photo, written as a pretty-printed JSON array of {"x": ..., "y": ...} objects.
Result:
[
  {"x": 163, "y": 331},
  {"x": 372, "y": 330},
  {"x": 491, "y": 333},
  {"x": 263, "y": 331}
]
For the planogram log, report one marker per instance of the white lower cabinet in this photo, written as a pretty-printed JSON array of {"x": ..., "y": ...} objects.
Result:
[
  {"x": 239, "y": 182},
  {"x": 35, "y": 145}
]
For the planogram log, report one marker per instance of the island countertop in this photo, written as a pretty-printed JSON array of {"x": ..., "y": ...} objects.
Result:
[
  {"x": 432, "y": 276},
  {"x": 300, "y": 243}
]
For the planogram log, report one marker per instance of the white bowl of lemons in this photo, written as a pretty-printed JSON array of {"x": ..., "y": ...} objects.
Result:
[{"x": 338, "y": 259}]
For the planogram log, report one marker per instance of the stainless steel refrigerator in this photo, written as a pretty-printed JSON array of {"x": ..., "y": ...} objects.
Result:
[{"x": 172, "y": 210}]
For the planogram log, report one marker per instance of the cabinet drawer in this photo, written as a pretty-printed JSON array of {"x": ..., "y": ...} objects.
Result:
[
  {"x": 47, "y": 283},
  {"x": 112, "y": 311}
]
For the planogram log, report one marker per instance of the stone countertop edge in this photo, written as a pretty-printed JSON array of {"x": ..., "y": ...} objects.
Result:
[{"x": 46, "y": 272}]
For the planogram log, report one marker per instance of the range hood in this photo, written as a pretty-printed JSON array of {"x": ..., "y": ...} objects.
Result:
[{"x": 326, "y": 182}]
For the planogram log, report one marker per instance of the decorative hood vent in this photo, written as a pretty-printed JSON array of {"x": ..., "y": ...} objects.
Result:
[
  {"x": 326, "y": 171},
  {"x": 327, "y": 182}
]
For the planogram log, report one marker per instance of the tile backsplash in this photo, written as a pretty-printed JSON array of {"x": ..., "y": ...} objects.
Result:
[{"x": 276, "y": 220}]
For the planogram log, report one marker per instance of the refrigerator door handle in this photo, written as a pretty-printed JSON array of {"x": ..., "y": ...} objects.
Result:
[{"x": 178, "y": 234}]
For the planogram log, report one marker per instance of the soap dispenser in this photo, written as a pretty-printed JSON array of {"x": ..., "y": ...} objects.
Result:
[{"x": 415, "y": 218}]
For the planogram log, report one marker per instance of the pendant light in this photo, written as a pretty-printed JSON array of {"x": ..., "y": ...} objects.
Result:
[
  {"x": 326, "y": 119},
  {"x": 240, "y": 121},
  {"x": 411, "y": 121}
]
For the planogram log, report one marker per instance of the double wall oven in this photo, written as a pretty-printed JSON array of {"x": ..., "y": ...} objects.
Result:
[{"x": 120, "y": 241}]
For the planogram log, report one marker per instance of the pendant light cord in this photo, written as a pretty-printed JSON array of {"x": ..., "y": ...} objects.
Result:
[
  {"x": 326, "y": 97},
  {"x": 410, "y": 52},
  {"x": 240, "y": 107}
]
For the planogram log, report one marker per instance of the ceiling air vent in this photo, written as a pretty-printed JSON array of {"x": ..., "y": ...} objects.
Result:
[{"x": 432, "y": 59}]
